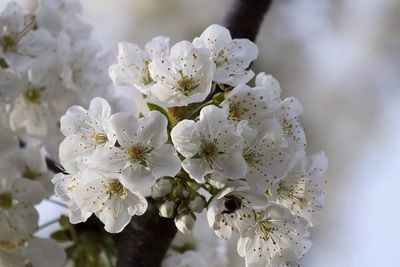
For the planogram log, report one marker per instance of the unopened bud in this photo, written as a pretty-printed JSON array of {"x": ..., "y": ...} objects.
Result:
[
  {"x": 167, "y": 208},
  {"x": 161, "y": 188},
  {"x": 185, "y": 223},
  {"x": 197, "y": 204}
]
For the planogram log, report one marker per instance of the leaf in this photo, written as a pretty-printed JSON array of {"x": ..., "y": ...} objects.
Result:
[
  {"x": 60, "y": 236},
  {"x": 153, "y": 107},
  {"x": 3, "y": 63}
]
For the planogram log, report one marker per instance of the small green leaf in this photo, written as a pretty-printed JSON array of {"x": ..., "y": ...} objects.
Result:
[
  {"x": 60, "y": 236},
  {"x": 3, "y": 63},
  {"x": 153, "y": 107}
]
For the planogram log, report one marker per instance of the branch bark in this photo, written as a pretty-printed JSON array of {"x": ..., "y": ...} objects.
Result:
[
  {"x": 145, "y": 241},
  {"x": 244, "y": 17}
]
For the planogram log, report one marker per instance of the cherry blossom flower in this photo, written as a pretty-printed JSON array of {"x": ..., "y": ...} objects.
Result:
[
  {"x": 275, "y": 230},
  {"x": 183, "y": 77},
  {"x": 133, "y": 63},
  {"x": 112, "y": 200},
  {"x": 85, "y": 131},
  {"x": 18, "y": 217},
  {"x": 231, "y": 57},
  {"x": 209, "y": 144},
  {"x": 301, "y": 190},
  {"x": 142, "y": 154}
]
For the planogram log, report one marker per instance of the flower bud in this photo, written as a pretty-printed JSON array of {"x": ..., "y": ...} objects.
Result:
[
  {"x": 185, "y": 223},
  {"x": 167, "y": 208},
  {"x": 161, "y": 188},
  {"x": 197, "y": 204}
]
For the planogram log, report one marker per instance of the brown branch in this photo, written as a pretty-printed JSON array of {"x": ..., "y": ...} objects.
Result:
[
  {"x": 244, "y": 17},
  {"x": 145, "y": 241}
]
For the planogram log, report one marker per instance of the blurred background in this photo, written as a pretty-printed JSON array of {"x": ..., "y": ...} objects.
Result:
[{"x": 342, "y": 60}]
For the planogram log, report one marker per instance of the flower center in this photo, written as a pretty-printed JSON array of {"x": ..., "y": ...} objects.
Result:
[
  {"x": 232, "y": 204},
  {"x": 292, "y": 192},
  {"x": 32, "y": 94},
  {"x": 208, "y": 150},
  {"x": 8, "y": 42},
  {"x": 236, "y": 111},
  {"x": 30, "y": 174},
  {"x": 265, "y": 229},
  {"x": 6, "y": 200},
  {"x": 100, "y": 138},
  {"x": 138, "y": 153},
  {"x": 251, "y": 157},
  {"x": 115, "y": 188},
  {"x": 220, "y": 59},
  {"x": 146, "y": 77},
  {"x": 186, "y": 84}
]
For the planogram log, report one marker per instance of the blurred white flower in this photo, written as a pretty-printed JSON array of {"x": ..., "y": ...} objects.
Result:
[
  {"x": 183, "y": 77},
  {"x": 20, "y": 42},
  {"x": 40, "y": 101},
  {"x": 209, "y": 144},
  {"x": 18, "y": 216},
  {"x": 231, "y": 57},
  {"x": 30, "y": 164}
]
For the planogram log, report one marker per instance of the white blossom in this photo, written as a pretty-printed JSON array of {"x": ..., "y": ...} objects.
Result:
[
  {"x": 301, "y": 190},
  {"x": 19, "y": 41},
  {"x": 85, "y": 131},
  {"x": 109, "y": 198},
  {"x": 18, "y": 217},
  {"x": 289, "y": 115},
  {"x": 253, "y": 104},
  {"x": 231, "y": 57},
  {"x": 183, "y": 77},
  {"x": 64, "y": 186},
  {"x": 209, "y": 144},
  {"x": 233, "y": 209},
  {"x": 142, "y": 154},
  {"x": 40, "y": 101},
  {"x": 133, "y": 63},
  {"x": 275, "y": 230},
  {"x": 265, "y": 152},
  {"x": 30, "y": 163}
]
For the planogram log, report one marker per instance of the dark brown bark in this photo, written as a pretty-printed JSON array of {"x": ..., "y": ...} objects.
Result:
[
  {"x": 145, "y": 241},
  {"x": 244, "y": 17}
]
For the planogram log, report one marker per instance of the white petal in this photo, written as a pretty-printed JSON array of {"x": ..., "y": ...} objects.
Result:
[
  {"x": 45, "y": 253},
  {"x": 184, "y": 139},
  {"x": 153, "y": 129},
  {"x": 164, "y": 161},
  {"x": 197, "y": 168}
]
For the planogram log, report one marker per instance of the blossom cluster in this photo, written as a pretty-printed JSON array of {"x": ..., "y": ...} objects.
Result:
[
  {"x": 49, "y": 60},
  {"x": 209, "y": 141}
]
